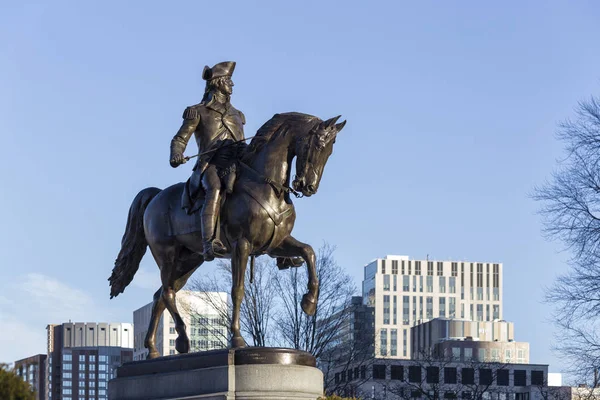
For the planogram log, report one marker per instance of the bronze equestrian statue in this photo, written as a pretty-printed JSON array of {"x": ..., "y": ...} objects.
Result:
[{"x": 256, "y": 218}]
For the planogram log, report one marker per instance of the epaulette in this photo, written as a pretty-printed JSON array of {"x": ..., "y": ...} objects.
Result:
[{"x": 190, "y": 113}]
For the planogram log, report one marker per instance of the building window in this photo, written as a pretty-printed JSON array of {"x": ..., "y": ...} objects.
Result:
[
  {"x": 433, "y": 374},
  {"x": 92, "y": 392},
  {"x": 454, "y": 267},
  {"x": 417, "y": 267},
  {"x": 508, "y": 355},
  {"x": 405, "y": 309},
  {"x": 343, "y": 376},
  {"x": 429, "y": 268},
  {"x": 414, "y": 309},
  {"x": 450, "y": 374},
  {"x": 383, "y": 342},
  {"x": 92, "y": 367},
  {"x": 485, "y": 376},
  {"x": 383, "y": 266},
  {"x": 403, "y": 271},
  {"x": 386, "y": 282},
  {"x": 455, "y": 354},
  {"x": 363, "y": 372},
  {"x": 467, "y": 376},
  {"x": 520, "y": 377},
  {"x": 414, "y": 374},
  {"x": 395, "y": 288},
  {"x": 520, "y": 356},
  {"x": 452, "y": 308},
  {"x": 92, "y": 358},
  {"x": 405, "y": 283},
  {"x": 537, "y": 378},
  {"x": 386, "y": 309},
  {"x": 82, "y": 367},
  {"x": 337, "y": 377},
  {"x": 397, "y": 372},
  {"x": 442, "y": 303},
  {"x": 66, "y": 391},
  {"x": 81, "y": 384},
  {"x": 172, "y": 330},
  {"x": 67, "y": 357},
  {"x": 410, "y": 266},
  {"x": 394, "y": 267},
  {"x": 67, "y": 367},
  {"x": 430, "y": 284},
  {"x": 442, "y": 283},
  {"x": 440, "y": 268},
  {"x": 496, "y": 311},
  {"x": 172, "y": 342},
  {"x": 394, "y": 342},
  {"x": 479, "y": 312},
  {"x": 404, "y": 342},
  {"x": 67, "y": 383},
  {"x": 378, "y": 371},
  {"x": 452, "y": 284},
  {"x": 502, "y": 377},
  {"x": 429, "y": 314},
  {"x": 421, "y": 284}
]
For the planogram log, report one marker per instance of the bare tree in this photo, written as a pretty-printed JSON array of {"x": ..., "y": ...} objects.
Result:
[
  {"x": 570, "y": 208},
  {"x": 259, "y": 303},
  {"x": 317, "y": 333}
]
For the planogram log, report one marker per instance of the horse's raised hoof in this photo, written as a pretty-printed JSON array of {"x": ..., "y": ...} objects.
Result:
[
  {"x": 152, "y": 354},
  {"x": 237, "y": 341},
  {"x": 182, "y": 344},
  {"x": 309, "y": 305}
]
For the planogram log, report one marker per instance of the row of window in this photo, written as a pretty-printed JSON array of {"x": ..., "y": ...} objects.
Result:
[
  {"x": 449, "y": 375},
  {"x": 82, "y": 392},
  {"x": 391, "y": 309},
  {"x": 82, "y": 358},
  {"x": 406, "y": 269}
]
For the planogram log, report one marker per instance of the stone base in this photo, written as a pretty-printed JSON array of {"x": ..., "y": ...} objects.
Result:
[{"x": 243, "y": 374}]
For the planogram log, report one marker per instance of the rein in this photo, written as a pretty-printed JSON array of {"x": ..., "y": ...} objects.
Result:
[{"x": 279, "y": 187}]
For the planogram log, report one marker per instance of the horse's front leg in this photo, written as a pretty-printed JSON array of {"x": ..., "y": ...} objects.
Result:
[
  {"x": 240, "y": 252},
  {"x": 290, "y": 247}
]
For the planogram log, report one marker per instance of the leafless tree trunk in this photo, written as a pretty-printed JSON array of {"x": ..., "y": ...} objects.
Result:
[
  {"x": 570, "y": 207},
  {"x": 317, "y": 333}
]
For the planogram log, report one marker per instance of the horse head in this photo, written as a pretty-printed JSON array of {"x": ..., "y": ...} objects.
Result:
[{"x": 312, "y": 155}]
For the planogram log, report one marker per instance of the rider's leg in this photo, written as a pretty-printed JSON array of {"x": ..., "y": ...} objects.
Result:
[{"x": 210, "y": 210}]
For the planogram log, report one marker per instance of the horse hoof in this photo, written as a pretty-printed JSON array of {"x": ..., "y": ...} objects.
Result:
[
  {"x": 237, "y": 341},
  {"x": 309, "y": 306},
  {"x": 182, "y": 345},
  {"x": 152, "y": 354}
]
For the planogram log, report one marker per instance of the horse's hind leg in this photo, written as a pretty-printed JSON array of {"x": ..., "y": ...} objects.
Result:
[
  {"x": 158, "y": 307},
  {"x": 290, "y": 247},
  {"x": 176, "y": 266}
]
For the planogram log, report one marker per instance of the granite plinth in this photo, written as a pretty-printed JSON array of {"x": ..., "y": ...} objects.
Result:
[{"x": 243, "y": 374}]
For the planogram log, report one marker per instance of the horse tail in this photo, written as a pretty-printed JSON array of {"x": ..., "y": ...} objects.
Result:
[{"x": 133, "y": 244}]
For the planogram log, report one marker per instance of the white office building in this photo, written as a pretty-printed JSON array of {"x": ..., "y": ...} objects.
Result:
[
  {"x": 204, "y": 314},
  {"x": 407, "y": 292}
]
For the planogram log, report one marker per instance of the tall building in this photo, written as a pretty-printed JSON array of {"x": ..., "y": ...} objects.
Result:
[
  {"x": 204, "y": 314},
  {"x": 33, "y": 371},
  {"x": 407, "y": 292},
  {"x": 83, "y": 357}
]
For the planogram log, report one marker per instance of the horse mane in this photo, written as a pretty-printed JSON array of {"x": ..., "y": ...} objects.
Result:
[{"x": 274, "y": 128}]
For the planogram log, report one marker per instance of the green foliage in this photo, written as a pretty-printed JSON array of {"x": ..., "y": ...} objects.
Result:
[{"x": 12, "y": 387}]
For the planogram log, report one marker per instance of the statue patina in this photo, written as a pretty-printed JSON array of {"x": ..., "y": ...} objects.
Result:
[{"x": 250, "y": 211}]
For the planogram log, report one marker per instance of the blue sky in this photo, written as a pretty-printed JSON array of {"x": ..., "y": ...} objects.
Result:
[{"x": 451, "y": 109}]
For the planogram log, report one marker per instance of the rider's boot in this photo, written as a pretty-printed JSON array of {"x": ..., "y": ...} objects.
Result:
[{"x": 211, "y": 245}]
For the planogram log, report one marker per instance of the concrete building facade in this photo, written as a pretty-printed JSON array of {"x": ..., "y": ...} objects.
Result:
[
  {"x": 464, "y": 340},
  {"x": 83, "y": 357},
  {"x": 204, "y": 315},
  {"x": 406, "y": 292},
  {"x": 33, "y": 371},
  {"x": 413, "y": 379}
]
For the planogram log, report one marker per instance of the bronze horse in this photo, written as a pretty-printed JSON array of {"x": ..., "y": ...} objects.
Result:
[{"x": 257, "y": 218}]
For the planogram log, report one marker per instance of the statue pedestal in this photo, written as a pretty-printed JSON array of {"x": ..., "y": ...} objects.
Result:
[{"x": 242, "y": 374}]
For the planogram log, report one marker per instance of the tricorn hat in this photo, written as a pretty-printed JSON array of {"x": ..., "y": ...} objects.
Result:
[{"x": 224, "y": 68}]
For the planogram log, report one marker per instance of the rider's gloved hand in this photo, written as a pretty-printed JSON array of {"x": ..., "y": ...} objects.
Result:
[{"x": 177, "y": 160}]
